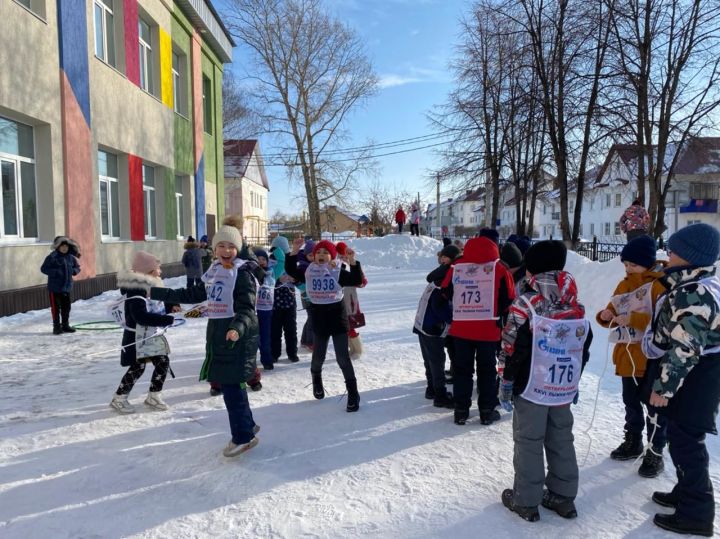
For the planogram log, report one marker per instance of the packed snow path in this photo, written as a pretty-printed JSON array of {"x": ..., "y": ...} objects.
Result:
[{"x": 71, "y": 467}]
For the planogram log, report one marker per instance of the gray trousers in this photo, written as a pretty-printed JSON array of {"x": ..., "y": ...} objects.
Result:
[{"x": 536, "y": 427}]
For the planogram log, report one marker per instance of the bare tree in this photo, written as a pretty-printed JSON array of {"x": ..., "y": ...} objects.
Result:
[
  {"x": 240, "y": 119},
  {"x": 380, "y": 201},
  {"x": 310, "y": 72}
]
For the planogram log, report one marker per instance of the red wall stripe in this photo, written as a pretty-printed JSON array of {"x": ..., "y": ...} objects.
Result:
[
  {"x": 137, "y": 207},
  {"x": 132, "y": 51}
]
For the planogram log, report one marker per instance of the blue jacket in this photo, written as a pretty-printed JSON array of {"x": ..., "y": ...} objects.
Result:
[{"x": 60, "y": 269}]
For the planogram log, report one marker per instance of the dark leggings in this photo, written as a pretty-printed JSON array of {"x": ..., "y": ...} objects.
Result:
[
  {"x": 162, "y": 364},
  {"x": 60, "y": 307},
  {"x": 342, "y": 354}
]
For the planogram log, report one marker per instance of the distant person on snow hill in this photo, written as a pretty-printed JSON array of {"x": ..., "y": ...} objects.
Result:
[
  {"x": 400, "y": 218},
  {"x": 414, "y": 220},
  {"x": 635, "y": 220}
]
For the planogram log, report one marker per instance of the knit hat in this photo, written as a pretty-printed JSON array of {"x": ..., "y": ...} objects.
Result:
[
  {"x": 699, "y": 244},
  {"x": 144, "y": 262},
  {"x": 281, "y": 242},
  {"x": 511, "y": 255},
  {"x": 491, "y": 234},
  {"x": 341, "y": 247},
  {"x": 546, "y": 255},
  {"x": 523, "y": 243},
  {"x": 190, "y": 238},
  {"x": 327, "y": 245},
  {"x": 450, "y": 251},
  {"x": 230, "y": 234},
  {"x": 204, "y": 239},
  {"x": 260, "y": 252},
  {"x": 446, "y": 241},
  {"x": 641, "y": 251}
]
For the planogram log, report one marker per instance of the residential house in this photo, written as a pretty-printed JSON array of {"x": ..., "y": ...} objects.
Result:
[
  {"x": 246, "y": 186},
  {"x": 336, "y": 220}
]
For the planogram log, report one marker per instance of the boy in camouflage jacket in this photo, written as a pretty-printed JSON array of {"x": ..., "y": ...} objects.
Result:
[{"x": 684, "y": 341}]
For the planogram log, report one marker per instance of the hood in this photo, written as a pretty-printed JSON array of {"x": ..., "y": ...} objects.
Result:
[
  {"x": 191, "y": 245},
  {"x": 74, "y": 248},
  {"x": 132, "y": 280},
  {"x": 479, "y": 251},
  {"x": 558, "y": 289}
]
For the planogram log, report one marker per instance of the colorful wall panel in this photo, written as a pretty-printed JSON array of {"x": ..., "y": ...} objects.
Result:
[
  {"x": 132, "y": 52},
  {"x": 166, "y": 78},
  {"x": 199, "y": 144},
  {"x": 137, "y": 205}
]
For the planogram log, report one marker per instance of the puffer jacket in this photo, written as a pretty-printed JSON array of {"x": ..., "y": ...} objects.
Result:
[
  {"x": 552, "y": 295},
  {"x": 481, "y": 251},
  {"x": 192, "y": 260},
  {"x": 628, "y": 358},
  {"x": 635, "y": 217},
  {"x": 226, "y": 362},
  {"x": 60, "y": 268}
]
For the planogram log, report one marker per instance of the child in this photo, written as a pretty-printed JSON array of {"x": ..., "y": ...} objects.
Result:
[
  {"x": 546, "y": 343},
  {"x": 627, "y": 315},
  {"x": 325, "y": 280},
  {"x": 60, "y": 266},
  {"x": 232, "y": 332},
  {"x": 140, "y": 318},
  {"x": 192, "y": 260},
  {"x": 207, "y": 254},
  {"x": 356, "y": 318},
  {"x": 414, "y": 220},
  {"x": 284, "y": 318},
  {"x": 481, "y": 289},
  {"x": 265, "y": 300},
  {"x": 431, "y": 326},
  {"x": 685, "y": 339}
]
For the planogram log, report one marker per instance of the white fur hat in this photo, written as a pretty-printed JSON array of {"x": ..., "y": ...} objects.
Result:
[{"x": 229, "y": 234}]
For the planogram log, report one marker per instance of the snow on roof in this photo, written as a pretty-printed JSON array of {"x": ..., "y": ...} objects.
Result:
[{"x": 238, "y": 154}]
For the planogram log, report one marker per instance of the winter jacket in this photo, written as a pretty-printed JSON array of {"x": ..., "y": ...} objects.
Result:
[
  {"x": 438, "y": 275},
  {"x": 330, "y": 318},
  {"x": 481, "y": 251},
  {"x": 687, "y": 329},
  {"x": 433, "y": 314},
  {"x": 60, "y": 267},
  {"x": 635, "y": 217},
  {"x": 207, "y": 258},
  {"x": 284, "y": 285},
  {"x": 140, "y": 319},
  {"x": 400, "y": 217},
  {"x": 415, "y": 217},
  {"x": 192, "y": 260},
  {"x": 552, "y": 295},
  {"x": 226, "y": 362},
  {"x": 628, "y": 358}
]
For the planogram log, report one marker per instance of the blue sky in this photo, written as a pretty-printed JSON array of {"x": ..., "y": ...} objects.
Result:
[{"x": 410, "y": 43}]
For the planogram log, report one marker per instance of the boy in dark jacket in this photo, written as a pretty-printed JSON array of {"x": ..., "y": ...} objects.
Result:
[
  {"x": 546, "y": 343},
  {"x": 60, "y": 266},
  {"x": 232, "y": 331},
  {"x": 324, "y": 280},
  {"x": 192, "y": 260}
]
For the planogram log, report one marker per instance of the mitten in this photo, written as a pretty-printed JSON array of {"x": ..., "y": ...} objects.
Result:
[{"x": 505, "y": 395}]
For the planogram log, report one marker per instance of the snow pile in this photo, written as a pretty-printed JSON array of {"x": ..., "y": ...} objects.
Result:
[{"x": 397, "y": 251}]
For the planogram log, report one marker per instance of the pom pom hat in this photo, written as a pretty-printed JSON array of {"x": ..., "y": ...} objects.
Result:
[
  {"x": 328, "y": 246},
  {"x": 546, "y": 255},
  {"x": 341, "y": 248},
  {"x": 229, "y": 234},
  {"x": 144, "y": 262}
]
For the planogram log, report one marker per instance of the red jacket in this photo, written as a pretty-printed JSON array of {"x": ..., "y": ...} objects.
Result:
[
  {"x": 480, "y": 251},
  {"x": 400, "y": 217}
]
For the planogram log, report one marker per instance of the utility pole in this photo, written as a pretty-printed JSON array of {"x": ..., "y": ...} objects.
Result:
[{"x": 437, "y": 206}]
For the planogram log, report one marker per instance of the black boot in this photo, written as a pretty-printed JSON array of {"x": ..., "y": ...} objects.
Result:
[
  {"x": 652, "y": 464},
  {"x": 529, "y": 513},
  {"x": 429, "y": 392},
  {"x": 631, "y": 448},
  {"x": 562, "y": 505},
  {"x": 461, "y": 416},
  {"x": 66, "y": 328},
  {"x": 444, "y": 401},
  {"x": 666, "y": 499},
  {"x": 353, "y": 402},
  {"x": 677, "y": 524},
  {"x": 57, "y": 328},
  {"x": 318, "y": 390}
]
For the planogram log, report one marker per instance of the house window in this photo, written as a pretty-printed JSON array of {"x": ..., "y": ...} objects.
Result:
[
  {"x": 544, "y": 209},
  {"x": 207, "y": 105},
  {"x": 109, "y": 199},
  {"x": 693, "y": 221},
  {"x": 607, "y": 228},
  {"x": 704, "y": 191},
  {"x": 146, "y": 57},
  {"x": 179, "y": 207},
  {"x": 105, "y": 31},
  {"x": 617, "y": 229},
  {"x": 148, "y": 175},
  {"x": 179, "y": 72},
  {"x": 18, "y": 200},
  {"x": 607, "y": 200},
  {"x": 618, "y": 200},
  {"x": 592, "y": 229},
  {"x": 592, "y": 203}
]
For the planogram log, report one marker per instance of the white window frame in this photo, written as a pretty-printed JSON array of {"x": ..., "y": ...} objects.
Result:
[
  {"x": 618, "y": 230},
  {"x": 110, "y": 203},
  {"x": 176, "y": 81},
  {"x": 145, "y": 58},
  {"x": 16, "y": 162},
  {"x": 608, "y": 200},
  {"x": 592, "y": 229},
  {"x": 105, "y": 10},
  {"x": 179, "y": 208},
  {"x": 149, "y": 203},
  {"x": 607, "y": 229},
  {"x": 618, "y": 200}
]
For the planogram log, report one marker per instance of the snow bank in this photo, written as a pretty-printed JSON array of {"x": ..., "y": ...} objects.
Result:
[{"x": 397, "y": 251}]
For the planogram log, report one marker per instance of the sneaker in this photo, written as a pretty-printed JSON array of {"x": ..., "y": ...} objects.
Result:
[
  {"x": 652, "y": 464},
  {"x": 215, "y": 391},
  {"x": 154, "y": 400},
  {"x": 461, "y": 416},
  {"x": 120, "y": 403},
  {"x": 233, "y": 449},
  {"x": 562, "y": 505},
  {"x": 678, "y": 524},
  {"x": 444, "y": 401},
  {"x": 429, "y": 393},
  {"x": 529, "y": 513},
  {"x": 488, "y": 417},
  {"x": 666, "y": 499},
  {"x": 293, "y": 359},
  {"x": 631, "y": 448}
]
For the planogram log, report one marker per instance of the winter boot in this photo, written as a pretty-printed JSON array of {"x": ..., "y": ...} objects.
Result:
[
  {"x": 530, "y": 513},
  {"x": 488, "y": 417},
  {"x": 215, "y": 391},
  {"x": 652, "y": 464},
  {"x": 429, "y": 393},
  {"x": 120, "y": 404},
  {"x": 318, "y": 390},
  {"x": 233, "y": 450},
  {"x": 631, "y": 448},
  {"x": 356, "y": 347},
  {"x": 353, "y": 397},
  {"x": 66, "y": 328},
  {"x": 678, "y": 524},
  {"x": 154, "y": 400},
  {"x": 256, "y": 386},
  {"x": 57, "y": 328},
  {"x": 562, "y": 505},
  {"x": 666, "y": 499},
  {"x": 444, "y": 401},
  {"x": 461, "y": 416}
]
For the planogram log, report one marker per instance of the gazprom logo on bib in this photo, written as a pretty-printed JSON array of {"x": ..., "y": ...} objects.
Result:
[{"x": 543, "y": 345}]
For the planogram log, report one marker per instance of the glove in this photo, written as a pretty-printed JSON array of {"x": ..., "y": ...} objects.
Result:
[
  {"x": 576, "y": 397},
  {"x": 505, "y": 395}
]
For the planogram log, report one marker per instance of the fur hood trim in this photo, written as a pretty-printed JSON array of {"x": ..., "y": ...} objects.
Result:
[
  {"x": 132, "y": 280},
  {"x": 191, "y": 245},
  {"x": 74, "y": 248}
]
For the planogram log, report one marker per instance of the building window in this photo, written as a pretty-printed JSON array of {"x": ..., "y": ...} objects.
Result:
[
  {"x": 179, "y": 72},
  {"x": 207, "y": 105},
  {"x": 607, "y": 200},
  {"x": 148, "y": 174},
  {"x": 617, "y": 229},
  {"x": 179, "y": 207},
  {"x": 592, "y": 229},
  {"x": 109, "y": 199},
  {"x": 592, "y": 203},
  {"x": 36, "y": 6},
  {"x": 618, "y": 200},
  {"x": 105, "y": 31},
  {"x": 18, "y": 200},
  {"x": 607, "y": 228},
  {"x": 146, "y": 57},
  {"x": 544, "y": 209},
  {"x": 704, "y": 191}
]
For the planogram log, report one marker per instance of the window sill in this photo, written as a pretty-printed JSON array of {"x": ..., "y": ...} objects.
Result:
[
  {"x": 115, "y": 69},
  {"x": 109, "y": 239},
  {"x": 22, "y": 242},
  {"x": 33, "y": 13}
]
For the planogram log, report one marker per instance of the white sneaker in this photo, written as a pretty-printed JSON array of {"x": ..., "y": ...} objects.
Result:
[
  {"x": 154, "y": 400},
  {"x": 120, "y": 404},
  {"x": 233, "y": 450}
]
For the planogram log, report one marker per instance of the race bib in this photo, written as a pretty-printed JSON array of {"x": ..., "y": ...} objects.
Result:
[
  {"x": 322, "y": 284},
  {"x": 266, "y": 294},
  {"x": 219, "y": 287},
  {"x": 474, "y": 291},
  {"x": 639, "y": 301},
  {"x": 116, "y": 310}
]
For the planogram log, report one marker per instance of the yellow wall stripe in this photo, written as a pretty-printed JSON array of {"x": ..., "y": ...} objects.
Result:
[{"x": 166, "y": 79}]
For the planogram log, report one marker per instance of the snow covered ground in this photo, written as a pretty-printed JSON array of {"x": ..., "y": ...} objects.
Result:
[{"x": 71, "y": 467}]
